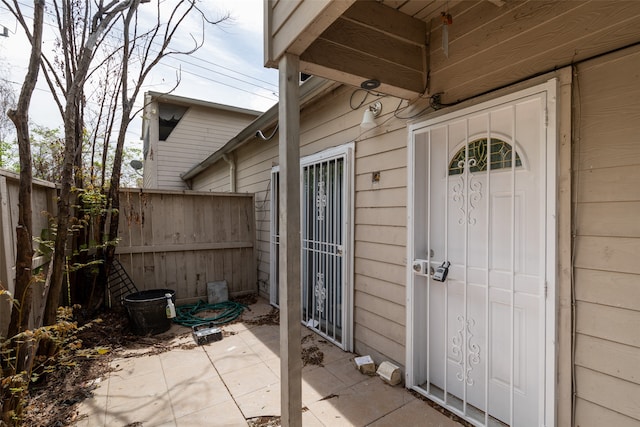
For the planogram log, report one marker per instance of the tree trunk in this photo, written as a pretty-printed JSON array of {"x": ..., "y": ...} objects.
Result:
[
  {"x": 63, "y": 219},
  {"x": 24, "y": 244},
  {"x": 114, "y": 191},
  {"x": 80, "y": 237}
]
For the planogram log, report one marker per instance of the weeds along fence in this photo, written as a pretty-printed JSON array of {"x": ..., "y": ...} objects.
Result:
[{"x": 179, "y": 240}]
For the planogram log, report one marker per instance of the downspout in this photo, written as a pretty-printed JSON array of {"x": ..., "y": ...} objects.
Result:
[{"x": 232, "y": 172}]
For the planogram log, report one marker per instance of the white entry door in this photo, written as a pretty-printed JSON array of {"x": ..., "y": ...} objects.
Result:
[{"x": 480, "y": 207}]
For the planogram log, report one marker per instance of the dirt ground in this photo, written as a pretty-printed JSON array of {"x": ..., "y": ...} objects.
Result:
[{"x": 53, "y": 400}]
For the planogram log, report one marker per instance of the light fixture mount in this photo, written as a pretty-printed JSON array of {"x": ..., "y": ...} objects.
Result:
[
  {"x": 370, "y": 113},
  {"x": 376, "y": 108},
  {"x": 370, "y": 84}
]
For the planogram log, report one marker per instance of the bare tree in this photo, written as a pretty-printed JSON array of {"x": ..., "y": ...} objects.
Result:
[
  {"x": 86, "y": 45},
  {"x": 24, "y": 247},
  {"x": 20, "y": 117},
  {"x": 79, "y": 44}
]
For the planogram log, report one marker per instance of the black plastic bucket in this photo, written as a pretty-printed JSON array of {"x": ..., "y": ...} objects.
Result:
[{"x": 147, "y": 311}]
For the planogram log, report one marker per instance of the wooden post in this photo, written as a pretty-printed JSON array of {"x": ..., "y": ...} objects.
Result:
[
  {"x": 289, "y": 217},
  {"x": 564, "y": 398}
]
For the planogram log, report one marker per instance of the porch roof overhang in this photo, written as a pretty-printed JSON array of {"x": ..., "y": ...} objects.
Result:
[
  {"x": 350, "y": 41},
  {"x": 309, "y": 90}
]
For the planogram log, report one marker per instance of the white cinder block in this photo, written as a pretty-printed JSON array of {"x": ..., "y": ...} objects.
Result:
[
  {"x": 365, "y": 365},
  {"x": 389, "y": 373}
]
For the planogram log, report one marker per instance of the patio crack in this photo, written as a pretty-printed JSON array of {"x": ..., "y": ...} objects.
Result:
[
  {"x": 330, "y": 396},
  {"x": 225, "y": 384}
]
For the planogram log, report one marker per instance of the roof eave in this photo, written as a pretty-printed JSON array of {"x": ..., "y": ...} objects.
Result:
[
  {"x": 310, "y": 89},
  {"x": 182, "y": 100}
]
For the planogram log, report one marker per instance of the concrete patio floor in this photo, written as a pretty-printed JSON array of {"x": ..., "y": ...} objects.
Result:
[{"x": 229, "y": 382}]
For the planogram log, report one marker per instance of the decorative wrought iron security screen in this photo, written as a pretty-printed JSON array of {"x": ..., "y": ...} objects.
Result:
[
  {"x": 274, "y": 291},
  {"x": 325, "y": 223},
  {"x": 479, "y": 205},
  {"x": 322, "y": 246}
]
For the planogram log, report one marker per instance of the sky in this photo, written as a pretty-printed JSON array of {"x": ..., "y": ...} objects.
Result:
[{"x": 228, "y": 69}]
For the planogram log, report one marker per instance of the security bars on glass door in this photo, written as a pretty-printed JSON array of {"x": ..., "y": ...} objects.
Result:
[
  {"x": 275, "y": 238},
  {"x": 322, "y": 229},
  {"x": 322, "y": 243}
]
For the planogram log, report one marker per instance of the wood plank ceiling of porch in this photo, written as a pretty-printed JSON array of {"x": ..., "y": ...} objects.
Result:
[{"x": 384, "y": 40}]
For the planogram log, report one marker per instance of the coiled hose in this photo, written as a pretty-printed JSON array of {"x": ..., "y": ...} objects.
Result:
[{"x": 228, "y": 311}]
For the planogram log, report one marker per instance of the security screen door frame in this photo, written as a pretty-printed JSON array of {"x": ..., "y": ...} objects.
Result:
[
  {"x": 326, "y": 200},
  {"x": 481, "y": 343}
]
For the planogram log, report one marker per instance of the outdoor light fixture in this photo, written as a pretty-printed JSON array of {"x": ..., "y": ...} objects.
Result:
[{"x": 370, "y": 114}]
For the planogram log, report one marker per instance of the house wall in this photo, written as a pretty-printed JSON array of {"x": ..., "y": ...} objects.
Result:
[
  {"x": 215, "y": 178},
  {"x": 606, "y": 207},
  {"x": 493, "y": 46},
  {"x": 607, "y": 242},
  {"x": 380, "y": 209},
  {"x": 200, "y": 132}
]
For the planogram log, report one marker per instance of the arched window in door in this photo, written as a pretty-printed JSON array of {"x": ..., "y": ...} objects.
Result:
[{"x": 499, "y": 158}]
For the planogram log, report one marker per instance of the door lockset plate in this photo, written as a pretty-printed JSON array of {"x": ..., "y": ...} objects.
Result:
[{"x": 420, "y": 266}]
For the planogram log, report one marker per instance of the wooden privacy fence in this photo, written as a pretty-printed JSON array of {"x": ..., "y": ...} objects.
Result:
[
  {"x": 43, "y": 202},
  {"x": 183, "y": 240},
  {"x": 168, "y": 239}
]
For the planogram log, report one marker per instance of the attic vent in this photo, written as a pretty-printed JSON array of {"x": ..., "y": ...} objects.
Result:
[{"x": 169, "y": 116}]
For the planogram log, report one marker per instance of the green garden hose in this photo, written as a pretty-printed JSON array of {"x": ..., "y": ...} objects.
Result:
[{"x": 226, "y": 311}]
